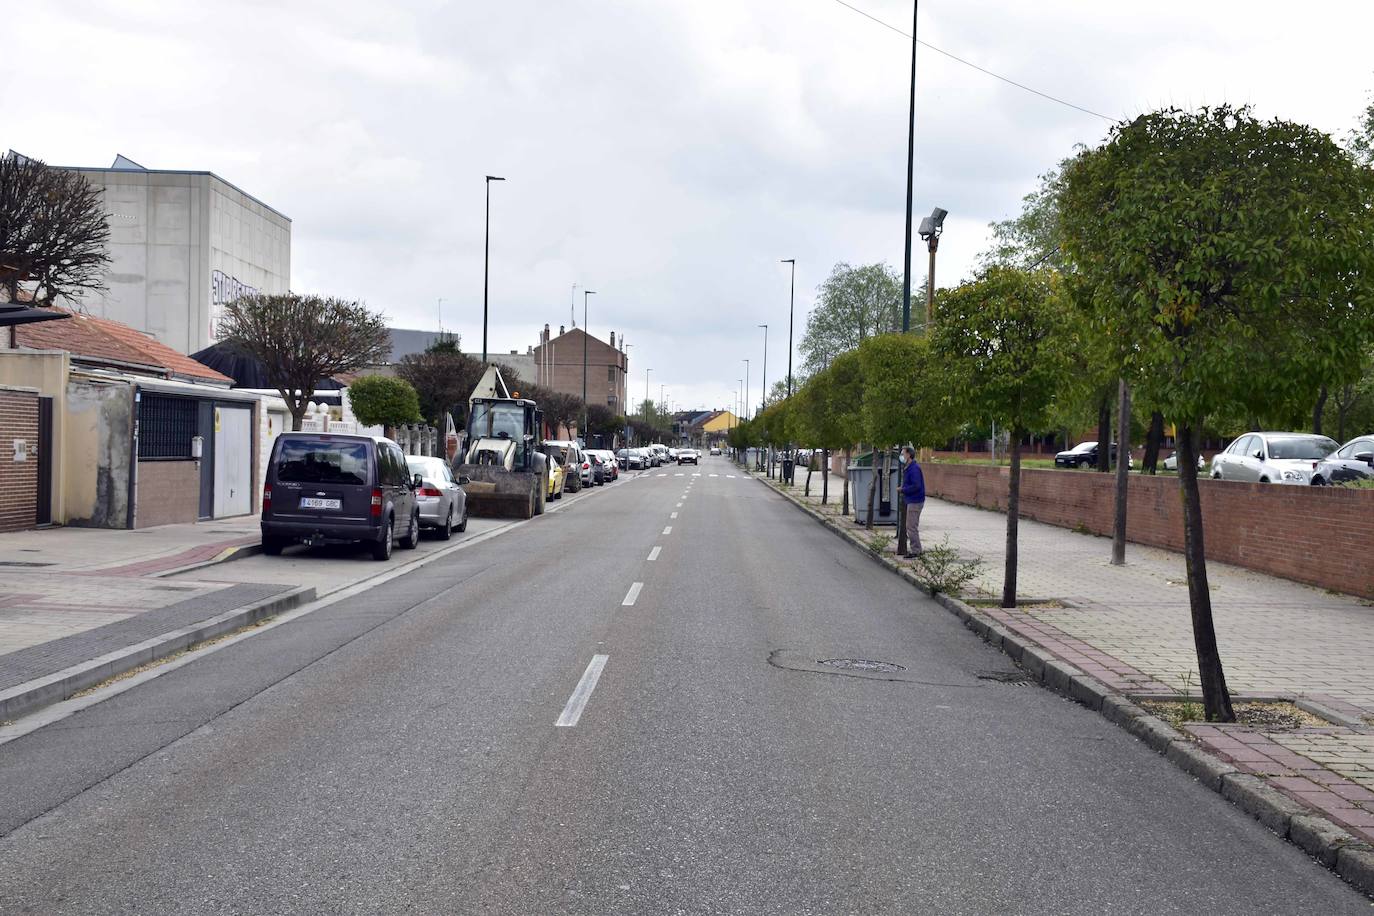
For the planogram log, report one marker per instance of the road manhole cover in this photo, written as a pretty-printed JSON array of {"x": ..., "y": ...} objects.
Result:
[
  {"x": 1014, "y": 678},
  {"x": 862, "y": 664}
]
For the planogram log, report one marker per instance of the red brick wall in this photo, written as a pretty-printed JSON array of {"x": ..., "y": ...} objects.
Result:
[
  {"x": 168, "y": 493},
  {"x": 1318, "y": 535},
  {"x": 18, "y": 479}
]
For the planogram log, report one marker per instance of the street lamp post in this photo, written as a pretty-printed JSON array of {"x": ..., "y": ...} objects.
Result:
[
  {"x": 646, "y": 396},
  {"x": 910, "y": 177},
  {"x": 791, "y": 310},
  {"x": 763, "y": 396},
  {"x": 585, "y": 294},
  {"x": 486, "y": 267}
]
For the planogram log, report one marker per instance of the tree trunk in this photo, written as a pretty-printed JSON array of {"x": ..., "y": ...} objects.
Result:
[
  {"x": 825, "y": 476},
  {"x": 1123, "y": 469},
  {"x": 1317, "y": 410},
  {"x": 1013, "y": 512},
  {"x": 1104, "y": 434},
  {"x": 806, "y": 490},
  {"x": 844, "y": 508},
  {"x": 1216, "y": 698},
  {"x": 297, "y": 414},
  {"x": 1153, "y": 440},
  {"x": 872, "y": 487}
]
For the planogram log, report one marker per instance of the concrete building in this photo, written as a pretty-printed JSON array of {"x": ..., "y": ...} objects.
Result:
[
  {"x": 558, "y": 365},
  {"x": 182, "y": 245}
]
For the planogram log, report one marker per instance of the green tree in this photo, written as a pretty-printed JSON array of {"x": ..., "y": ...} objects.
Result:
[
  {"x": 1006, "y": 341},
  {"x": 1229, "y": 259},
  {"x": 379, "y": 400},
  {"x": 854, "y": 303},
  {"x": 1361, "y": 141},
  {"x": 1032, "y": 237},
  {"x": 443, "y": 378},
  {"x": 302, "y": 339},
  {"x": 817, "y": 422}
]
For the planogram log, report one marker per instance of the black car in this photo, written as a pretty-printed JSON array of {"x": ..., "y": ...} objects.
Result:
[
  {"x": 1352, "y": 461},
  {"x": 322, "y": 488},
  {"x": 1084, "y": 453}
]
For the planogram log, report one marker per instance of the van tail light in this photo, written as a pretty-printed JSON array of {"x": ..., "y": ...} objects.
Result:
[
  {"x": 267, "y": 499},
  {"x": 429, "y": 491},
  {"x": 585, "y": 465},
  {"x": 376, "y": 503}
]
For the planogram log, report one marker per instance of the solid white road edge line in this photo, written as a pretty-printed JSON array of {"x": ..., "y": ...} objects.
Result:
[
  {"x": 582, "y": 693},
  {"x": 632, "y": 595},
  {"x": 653, "y": 554},
  {"x": 62, "y": 710}
]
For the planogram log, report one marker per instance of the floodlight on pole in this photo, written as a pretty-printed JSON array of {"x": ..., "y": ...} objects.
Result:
[
  {"x": 932, "y": 227},
  {"x": 585, "y": 294}
]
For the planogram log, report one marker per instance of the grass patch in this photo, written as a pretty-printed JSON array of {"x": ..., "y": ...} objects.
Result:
[{"x": 1280, "y": 716}]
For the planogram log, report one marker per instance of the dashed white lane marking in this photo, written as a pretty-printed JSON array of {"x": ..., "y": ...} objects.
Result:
[
  {"x": 662, "y": 475},
  {"x": 730, "y": 476},
  {"x": 679, "y": 474},
  {"x": 653, "y": 554},
  {"x": 713, "y": 475},
  {"x": 632, "y": 595},
  {"x": 673, "y": 514},
  {"x": 698, "y": 474},
  {"x": 668, "y": 530},
  {"x": 678, "y": 506},
  {"x": 583, "y": 692}
]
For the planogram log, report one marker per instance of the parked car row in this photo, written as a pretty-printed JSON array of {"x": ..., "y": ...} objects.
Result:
[
  {"x": 325, "y": 488},
  {"x": 333, "y": 489},
  {"x": 1267, "y": 457}
]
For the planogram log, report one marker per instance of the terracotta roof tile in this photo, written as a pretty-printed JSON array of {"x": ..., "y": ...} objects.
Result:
[{"x": 99, "y": 339}]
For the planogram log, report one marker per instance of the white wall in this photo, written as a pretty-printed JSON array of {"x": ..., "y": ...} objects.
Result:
[{"x": 169, "y": 234}]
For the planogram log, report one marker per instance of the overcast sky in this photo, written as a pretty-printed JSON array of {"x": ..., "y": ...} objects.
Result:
[{"x": 665, "y": 154}]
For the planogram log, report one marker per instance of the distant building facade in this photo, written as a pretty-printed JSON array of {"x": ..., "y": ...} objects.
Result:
[
  {"x": 558, "y": 365},
  {"x": 183, "y": 244}
]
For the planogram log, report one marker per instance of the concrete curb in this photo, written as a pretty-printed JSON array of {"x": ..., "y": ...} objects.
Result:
[
  {"x": 228, "y": 555},
  {"x": 29, "y": 696},
  {"x": 1331, "y": 845}
]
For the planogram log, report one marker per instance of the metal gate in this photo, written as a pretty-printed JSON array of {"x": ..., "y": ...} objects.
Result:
[
  {"x": 45, "y": 449},
  {"x": 233, "y": 461}
]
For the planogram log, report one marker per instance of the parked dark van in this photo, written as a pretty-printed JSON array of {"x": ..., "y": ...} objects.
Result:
[{"x": 323, "y": 488}]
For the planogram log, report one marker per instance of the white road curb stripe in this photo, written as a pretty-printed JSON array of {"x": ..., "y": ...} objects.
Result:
[{"x": 582, "y": 693}]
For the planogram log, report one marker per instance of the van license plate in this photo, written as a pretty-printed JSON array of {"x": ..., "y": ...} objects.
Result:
[{"x": 311, "y": 502}]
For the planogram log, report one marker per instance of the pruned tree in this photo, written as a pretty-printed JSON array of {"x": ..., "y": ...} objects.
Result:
[
  {"x": 303, "y": 339},
  {"x": 1006, "y": 341},
  {"x": 854, "y": 303},
  {"x": 380, "y": 400},
  {"x": 54, "y": 234},
  {"x": 1212, "y": 243}
]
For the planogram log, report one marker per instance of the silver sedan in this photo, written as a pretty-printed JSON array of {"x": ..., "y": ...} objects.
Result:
[{"x": 443, "y": 504}]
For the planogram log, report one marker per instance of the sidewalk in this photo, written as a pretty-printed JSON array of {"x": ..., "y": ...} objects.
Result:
[
  {"x": 1130, "y": 628},
  {"x": 78, "y": 605}
]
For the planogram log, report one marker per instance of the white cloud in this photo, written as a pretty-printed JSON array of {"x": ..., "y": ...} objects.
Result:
[{"x": 666, "y": 155}]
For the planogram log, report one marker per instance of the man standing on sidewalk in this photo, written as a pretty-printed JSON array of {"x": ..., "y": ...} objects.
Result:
[{"x": 914, "y": 492}]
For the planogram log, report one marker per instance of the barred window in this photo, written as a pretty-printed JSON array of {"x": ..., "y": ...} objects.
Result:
[{"x": 166, "y": 426}]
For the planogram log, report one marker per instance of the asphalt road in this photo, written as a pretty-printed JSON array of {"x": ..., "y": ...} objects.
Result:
[{"x": 398, "y": 751}]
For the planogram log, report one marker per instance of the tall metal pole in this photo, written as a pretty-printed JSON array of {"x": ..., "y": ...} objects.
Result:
[
  {"x": 486, "y": 266},
  {"x": 763, "y": 401},
  {"x": 933, "y": 245},
  {"x": 791, "y": 311},
  {"x": 910, "y": 175},
  {"x": 585, "y": 294},
  {"x": 746, "y": 387},
  {"x": 646, "y": 396}
]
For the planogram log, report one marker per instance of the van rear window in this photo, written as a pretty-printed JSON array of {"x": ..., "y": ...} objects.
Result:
[{"x": 302, "y": 461}]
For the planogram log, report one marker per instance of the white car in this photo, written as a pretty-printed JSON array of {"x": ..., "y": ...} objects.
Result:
[
  {"x": 715, "y": 450},
  {"x": 1171, "y": 463},
  {"x": 1272, "y": 458}
]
